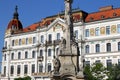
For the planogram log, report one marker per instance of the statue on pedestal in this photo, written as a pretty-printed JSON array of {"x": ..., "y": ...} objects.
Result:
[
  {"x": 62, "y": 44},
  {"x": 56, "y": 64}
]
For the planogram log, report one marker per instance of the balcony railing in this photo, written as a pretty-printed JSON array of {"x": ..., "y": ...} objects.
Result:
[
  {"x": 56, "y": 42},
  {"x": 4, "y": 49},
  {"x": 40, "y": 58},
  {"x": 48, "y": 43}
]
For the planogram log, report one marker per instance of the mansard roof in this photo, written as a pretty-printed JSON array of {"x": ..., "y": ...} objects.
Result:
[{"x": 102, "y": 15}]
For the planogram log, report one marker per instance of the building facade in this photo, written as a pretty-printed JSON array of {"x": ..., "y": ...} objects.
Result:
[{"x": 29, "y": 51}]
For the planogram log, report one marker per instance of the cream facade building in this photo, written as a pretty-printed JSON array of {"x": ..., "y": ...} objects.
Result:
[{"x": 29, "y": 51}]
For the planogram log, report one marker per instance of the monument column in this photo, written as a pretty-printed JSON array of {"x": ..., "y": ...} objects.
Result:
[{"x": 66, "y": 66}]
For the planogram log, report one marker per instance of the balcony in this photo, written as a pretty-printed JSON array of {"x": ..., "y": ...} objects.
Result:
[
  {"x": 56, "y": 42},
  {"x": 40, "y": 58},
  {"x": 48, "y": 43},
  {"x": 4, "y": 49}
]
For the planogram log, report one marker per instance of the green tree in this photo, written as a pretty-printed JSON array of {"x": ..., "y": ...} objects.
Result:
[
  {"x": 114, "y": 72},
  {"x": 96, "y": 72}
]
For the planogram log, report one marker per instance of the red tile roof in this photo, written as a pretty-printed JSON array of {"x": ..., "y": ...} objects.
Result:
[
  {"x": 106, "y": 14},
  {"x": 103, "y": 15}
]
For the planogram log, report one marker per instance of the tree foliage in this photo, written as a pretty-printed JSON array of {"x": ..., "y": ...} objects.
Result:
[
  {"x": 98, "y": 72},
  {"x": 114, "y": 72},
  {"x": 24, "y": 78}
]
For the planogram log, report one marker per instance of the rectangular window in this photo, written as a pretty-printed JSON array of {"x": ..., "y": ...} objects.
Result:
[
  {"x": 18, "y": 69},
  {"x": 87, "y": 33},
  {"x": 5, "y": 70},
  {"x": 109, "y": 64},
  {"x": 119, "y": 62},
  {"x": 50, "y": 37},
  {"x": 107, "y": 30},
  {"x": 49, "y": 52},
  {"x": 87, "y": 63},
  {"x": 33, "y": 68},
  {"x": 5, "y": 44},
  {"x": 49, "y": 67},
  {"x": 40, "y": 68},
  {"x": 58, "y": 36},
  {"x": 97, "y": 31},
  {"x": 20, "y": 41},
  {"x": 87, "y": 49},
  {"x": 118, "y": 28},
  {"x": 34, "y": 40},
  {"x": 42, "y": 39},
  {"x": 76, "y": 34},
  {"x": 12, "y": 70},
  {"x": 108, "y": 47},
  {"x": 26, "y": 41},
  {"x": 97, "y": 48},
  {"x": 25, "y": 69},
  {"x": 13, "y": 42},
  {"x": 97, "y": 61}
]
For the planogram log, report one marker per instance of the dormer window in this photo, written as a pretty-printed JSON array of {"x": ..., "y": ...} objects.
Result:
[
  {"x": 91, "y": 18},
  {"x": 102, "y": 17},
  {"x": 114, "y": 14}
]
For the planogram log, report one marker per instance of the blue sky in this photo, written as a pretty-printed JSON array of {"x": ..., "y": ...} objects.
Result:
[{"x": 31, "y": 11}]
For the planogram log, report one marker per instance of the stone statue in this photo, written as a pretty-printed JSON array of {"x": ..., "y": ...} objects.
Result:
[
  {"x": 62, "y": 45},
  {"x": 56, "y": 64},
  {"x": 63, "y": 42}
]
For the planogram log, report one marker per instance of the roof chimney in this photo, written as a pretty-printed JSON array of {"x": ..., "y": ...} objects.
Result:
[{"x": 105, "y": 8}]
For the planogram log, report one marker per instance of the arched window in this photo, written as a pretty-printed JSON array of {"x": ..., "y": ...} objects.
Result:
[
  {"x": 97, "y": 48},
  {"x": 49, "y": 52},
  {"x": 41, "y": 52},
  {"x": 108, "y": 47},
  {"x": 87, "y": 48},
  {"x": 33, "y": 54},
  {"x": 12, "y": 56},
  {"x": 19, "y": 55},
  {"x": 26, "y": 54},
  {"x": 118, "y": 46},
  {"x": 5, "y": 57}
]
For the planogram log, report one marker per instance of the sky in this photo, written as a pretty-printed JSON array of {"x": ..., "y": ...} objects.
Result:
[{"x": 32, "y": 11}]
